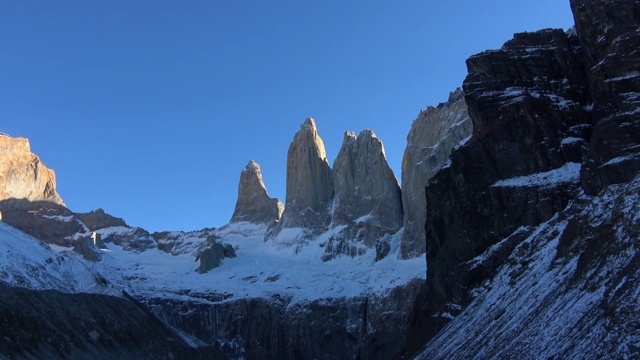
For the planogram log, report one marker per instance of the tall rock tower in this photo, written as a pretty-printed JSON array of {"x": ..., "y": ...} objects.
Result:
[
  {"x": 309, "y": 186},
  {"x": 254, "y": 204},
  {"x": 367, "y": 196}
]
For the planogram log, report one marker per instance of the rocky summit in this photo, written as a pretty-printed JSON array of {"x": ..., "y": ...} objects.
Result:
[
  {"x": 309, "y": 184},
  {"x": 24, "y": 176},
  {"x": 367, "y": 202},
  {"x": 254, "y": 204},
  {"x": 433, "y": 135}
]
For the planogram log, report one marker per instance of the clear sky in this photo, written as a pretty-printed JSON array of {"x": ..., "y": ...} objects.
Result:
[{"x": 150, "y": 109}]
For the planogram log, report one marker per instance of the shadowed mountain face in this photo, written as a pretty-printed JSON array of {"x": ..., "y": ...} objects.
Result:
[
  {"x": 54, "y": 325},
  {"x": 555, "y": 116}
]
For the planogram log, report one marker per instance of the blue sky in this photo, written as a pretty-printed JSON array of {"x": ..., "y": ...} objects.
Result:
[{"x": 150, "y": 109}]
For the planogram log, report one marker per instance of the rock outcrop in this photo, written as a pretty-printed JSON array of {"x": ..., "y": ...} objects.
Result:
[
  {"x": 23, "y": 175},
  {"x": 86, "y": 247},
  {"x": 98, "y": 219},
  {"x": 433, "y": 135},
  {"x": 254, "y": 204},
  {"x": 309, "y": 185},
  {"x": 212, "y": 253},
  {"x": 367, "y": 199},
  {"x": 548, "y": 123}
]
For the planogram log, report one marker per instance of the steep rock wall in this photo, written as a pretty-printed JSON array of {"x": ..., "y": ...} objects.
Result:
[
  {"x": 367, "y": 327},
  {"x": 367, "y": 199},
  {"x": 433, "y": 135},
  {"x": 542, "y": 134}
]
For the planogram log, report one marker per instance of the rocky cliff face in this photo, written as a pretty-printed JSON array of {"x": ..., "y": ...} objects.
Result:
[
  {"x": 610, "y": 41},
  {"x": 309, "y": 185},
  {"x": 541, "y": 127},
  {"x": 254, "y": 204},
  {"x": 568, "y": 288},
  {"x": 85, "y": 326},
  {"x": 367, "y": 198},
  {"x": 433, "y": 135},
  {"x": 24, "y": 176},
  {"x": 367, "y": 327}
]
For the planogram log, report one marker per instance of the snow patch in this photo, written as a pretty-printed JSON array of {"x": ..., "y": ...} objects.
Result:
[{"x": 568, "y": 173}]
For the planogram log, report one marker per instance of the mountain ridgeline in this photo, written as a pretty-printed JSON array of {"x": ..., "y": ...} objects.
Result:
[{"x": 520, "y": 199}]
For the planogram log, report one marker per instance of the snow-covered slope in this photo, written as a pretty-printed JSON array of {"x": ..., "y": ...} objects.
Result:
[
  {"x": 562, "y": 293},
  {"x": 28, "y": 262},
  {"x": 259, "y": 270}
]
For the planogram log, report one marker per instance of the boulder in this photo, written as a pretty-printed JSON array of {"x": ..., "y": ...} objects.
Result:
[{"x": 212, "y": 253}]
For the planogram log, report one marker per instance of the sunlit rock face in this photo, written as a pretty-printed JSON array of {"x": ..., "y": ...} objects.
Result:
[
  {"x": 367, "y": 200},
  {"x": 309, "y": 185},
  {"x": 433, "y": 135},
  {"x": 254, "y": 204},
  {"x": 23, "y": 175}
]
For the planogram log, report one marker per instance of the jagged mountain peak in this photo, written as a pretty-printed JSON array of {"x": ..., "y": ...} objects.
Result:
[
  {"x": 367, "y": 200},
  {"x": 254, "y": 204},
  {"x": 309, "y": 185}
]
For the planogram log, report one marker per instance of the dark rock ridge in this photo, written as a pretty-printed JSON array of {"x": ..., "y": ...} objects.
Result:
[
  {"x": 367, "y": 327},
  {"x": 45, "y": 220},
  {"x": 98, "y": 219},
  {"x": 433, "y": 135},
  {"x": 367, "y": 199},
  {"x": 309, "y": 185},
  {"x": 85, "y": 326},
  {"x": 539, "y": 121},
  {"x": 254, "y": 204}
]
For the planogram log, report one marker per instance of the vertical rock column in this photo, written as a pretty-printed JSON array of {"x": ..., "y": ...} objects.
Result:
[
  {"x": 309, "y": 187},
  {"x": 254, "y": 204},
  {"x": 367, "y": 195}
]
